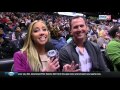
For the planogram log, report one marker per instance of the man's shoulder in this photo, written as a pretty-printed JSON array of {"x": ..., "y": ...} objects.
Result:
[
  {"x": 66, "y": 46},
  {"x": 113, "y": 44},
  {"x": 93, "y": 43}
]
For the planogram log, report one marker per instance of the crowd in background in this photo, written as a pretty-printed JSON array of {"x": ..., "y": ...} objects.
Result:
[{"x": 14, "y": 25}]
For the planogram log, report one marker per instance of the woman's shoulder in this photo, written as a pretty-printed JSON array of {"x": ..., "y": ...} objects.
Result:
[{"x": 19, "y": 54}]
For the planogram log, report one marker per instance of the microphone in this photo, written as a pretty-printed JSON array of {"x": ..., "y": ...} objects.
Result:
[{"x": 53, "y": 54}]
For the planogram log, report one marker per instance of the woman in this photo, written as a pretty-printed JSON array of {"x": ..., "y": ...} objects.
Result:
[
  {"x": 103, "y": 40},
  {"x": 33, "y": 55}
]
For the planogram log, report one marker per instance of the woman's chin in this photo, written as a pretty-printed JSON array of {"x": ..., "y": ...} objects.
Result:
[{"x": 42, "y": 42}]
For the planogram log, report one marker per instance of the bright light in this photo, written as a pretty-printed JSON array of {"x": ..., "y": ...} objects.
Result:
[{"x": 70, "y": 14}]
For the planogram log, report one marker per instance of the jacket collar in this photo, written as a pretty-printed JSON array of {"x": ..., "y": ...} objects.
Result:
[{"x": 91, "y": 51}]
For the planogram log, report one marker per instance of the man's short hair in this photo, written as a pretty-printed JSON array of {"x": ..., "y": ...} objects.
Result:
[
  {"x": 113, "y": 31},
  {"x": 75, "y": 17}
]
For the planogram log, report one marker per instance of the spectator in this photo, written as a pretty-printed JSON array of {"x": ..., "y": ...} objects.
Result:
[
  {"x": 113, "y": 47},
  {"x": 1, "y": 36},
  {"x": 57, "y": 40},
  {"x": 103, "y": 40},
  {"x": 18, "y": 33},
  {"x": 80, "y": 55}
]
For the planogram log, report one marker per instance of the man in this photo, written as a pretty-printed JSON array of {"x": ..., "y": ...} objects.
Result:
[
  {"x": 113, "y": 47},
  {"x": 81, "y": 54}
]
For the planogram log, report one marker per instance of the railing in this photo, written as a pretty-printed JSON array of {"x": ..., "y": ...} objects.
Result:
[{"x": 3, "y": 61}]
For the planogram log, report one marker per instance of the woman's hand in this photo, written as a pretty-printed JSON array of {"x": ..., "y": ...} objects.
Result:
[{"x": 53, "y": 65}]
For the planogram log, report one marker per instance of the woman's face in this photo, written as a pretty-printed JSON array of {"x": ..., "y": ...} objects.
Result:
[{"x": 40, "y": 34}]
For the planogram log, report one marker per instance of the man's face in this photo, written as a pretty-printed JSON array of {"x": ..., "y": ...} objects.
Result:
[
  {"x": 78, "y": 29},
  {"x": 118, "y": 34}
]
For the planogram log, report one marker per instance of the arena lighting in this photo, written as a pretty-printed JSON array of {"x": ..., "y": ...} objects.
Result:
[
  {"x": 114, "y": 20},
  {"x": 70, "y": 13},
  {"x": 119, "y": 20}
]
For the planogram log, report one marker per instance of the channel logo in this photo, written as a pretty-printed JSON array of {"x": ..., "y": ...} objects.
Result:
[{"x": 10, "y": 73}]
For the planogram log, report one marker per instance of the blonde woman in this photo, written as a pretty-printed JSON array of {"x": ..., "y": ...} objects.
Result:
[{"x": 32, "y": 57}]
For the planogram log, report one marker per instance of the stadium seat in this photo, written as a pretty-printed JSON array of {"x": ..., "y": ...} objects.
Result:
[{"x": 6, "y": 65}]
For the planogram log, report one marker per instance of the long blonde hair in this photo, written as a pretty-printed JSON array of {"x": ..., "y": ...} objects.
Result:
[{"x": 29, "y": 47}]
